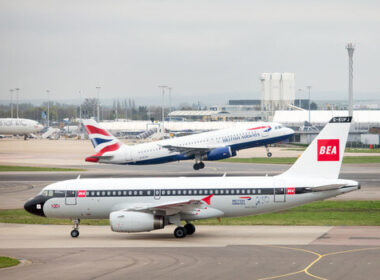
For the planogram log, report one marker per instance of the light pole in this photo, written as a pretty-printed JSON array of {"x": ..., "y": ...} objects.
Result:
[
  {"x": 299, "y": 97},
  {"x": 48, "y": 109},
  {"x": 163, "y": 103},
  {"x": 170, "y": 99},
  {"x": 309, "y": 87},
  {"x": 98, "y": 103},
  {"x": 17, "y": 89},
  {"x": 80, "y": 106},
  {"x": 11, "y": 90}
]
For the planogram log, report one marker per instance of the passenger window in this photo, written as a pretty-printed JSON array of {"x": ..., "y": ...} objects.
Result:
[
  {"x": 135, "y": 193},
  {"x": 179, "y": 192},
  {"x": 221, "y": 191},
  {"x": 108, "y": 193},
  {"x": 190, "y": 191},
  {"x": 253, "y": 191},
  {"x": 70, "y": 193},
  {"x": 237, "y": 191},
  {"x": 97, "y": 193},
  {"x": 248, "y": 191},
  {"x": 140, "y": 192},
  {"x": 174, "y": 192},
  {"x": 169, "y": 192},
  {"x": 129, "y": 192},
  {"x": 216, "y": 191},
  {"x": 184, "y": 192},
  {"x": 232, "y": 191},
  {"x": 148, "y": 192},
  {"x": 259, "y": 191},
  {"x": 113, "y": 193},
  {"x": 119, "y": 193},
  {"x": 206, "y": 191},
  {"x": 163, "y": 192},
  {"x": 243, "y": 191},
  {"x": 200, "y": 192},
  {"x": 124, "y": 193},
  {"x": 227, "y": 191}
]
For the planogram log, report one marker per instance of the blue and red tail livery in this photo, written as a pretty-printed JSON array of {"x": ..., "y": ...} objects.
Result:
[{"x": 101, "y": 139}]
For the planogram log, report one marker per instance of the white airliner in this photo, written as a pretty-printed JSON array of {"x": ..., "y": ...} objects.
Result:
[
  {"x": 15, "y": 126},
  {"x": 213, "y": 145},
  {"x": 145, "y": 204}
]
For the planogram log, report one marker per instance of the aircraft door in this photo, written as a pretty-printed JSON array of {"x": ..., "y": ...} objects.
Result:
[
  {"x": 157, "y": 194},
  {"x": 279, "y": 192},
  {"x": 70, "y": 197}
]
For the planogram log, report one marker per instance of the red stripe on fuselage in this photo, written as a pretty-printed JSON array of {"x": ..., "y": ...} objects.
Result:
[
  {"x": 92, "y": 129},
  {"x": 260, "y": 127}
]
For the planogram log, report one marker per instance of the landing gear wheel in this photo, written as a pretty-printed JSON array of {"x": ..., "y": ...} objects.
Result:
[
  {"x": 74, "y": 233},
  {"x": 180, "y": 232},
  {"x": 269, "y": 154},
  {"x": 190, "y": 228},
  {"x": 201, "y": 165},
  {"x": 196, "y": 166}
]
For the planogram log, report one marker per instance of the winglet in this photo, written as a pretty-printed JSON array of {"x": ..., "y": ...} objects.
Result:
[{"x": 207, "y": 199}]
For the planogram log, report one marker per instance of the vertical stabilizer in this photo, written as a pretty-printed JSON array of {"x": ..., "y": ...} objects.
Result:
[
  {"x": 323, "y": 157},
  {"x": 101, "y": 139}
]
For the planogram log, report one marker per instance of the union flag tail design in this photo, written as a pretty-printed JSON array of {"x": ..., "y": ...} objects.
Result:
[
  {"x": 101, "y": 139},
  {"x": 323, "y": 157}
]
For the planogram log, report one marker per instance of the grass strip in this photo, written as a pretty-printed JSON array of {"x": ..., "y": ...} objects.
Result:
[
  {"x": 11, "y": 168},
  {"x": 291, "y": 160},
  {"x": 321, "y": 213},
  {"x": 7, "y": 262}
]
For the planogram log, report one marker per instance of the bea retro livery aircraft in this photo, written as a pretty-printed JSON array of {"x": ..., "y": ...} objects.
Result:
[
  {"x": 213, "y": 145},
  {"x": 145, "y": 204}
]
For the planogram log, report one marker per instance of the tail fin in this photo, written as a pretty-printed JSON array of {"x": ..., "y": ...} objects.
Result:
[
  {"x": 323, "y": 157},
  {"x": 101, "y": 139}
]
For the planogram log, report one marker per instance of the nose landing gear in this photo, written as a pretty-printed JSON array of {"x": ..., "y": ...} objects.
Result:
[
  {"x": 269, "y": 154},
  {"x": 75, "y": 232}
]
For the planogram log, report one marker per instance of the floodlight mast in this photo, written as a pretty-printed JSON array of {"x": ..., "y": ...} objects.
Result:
[{"x": 350, "y": 49}]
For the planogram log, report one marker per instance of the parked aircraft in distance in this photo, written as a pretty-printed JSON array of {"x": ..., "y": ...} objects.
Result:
[
  {"x": 15, "y": 126},
  {"x": 145, "y": 204},
  {"x": 213, "y": 145}
]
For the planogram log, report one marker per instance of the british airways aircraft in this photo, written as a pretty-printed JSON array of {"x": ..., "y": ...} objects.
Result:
[
  {"x": 213, "y": 145},
  {"x": 146, "y": 204}
]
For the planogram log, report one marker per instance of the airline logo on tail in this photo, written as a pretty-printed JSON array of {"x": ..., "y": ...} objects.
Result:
[
  {"x": 328, "y": 149},
  {"x": 101, "y": 139}
]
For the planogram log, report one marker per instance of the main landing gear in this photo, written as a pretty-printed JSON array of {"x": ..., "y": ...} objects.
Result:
[
  {"x": 199, "y": 165},
  {"x": 181, "y": 232},
  {"x": 269, "y": 154},
  {"x": 75, "y": 231}
]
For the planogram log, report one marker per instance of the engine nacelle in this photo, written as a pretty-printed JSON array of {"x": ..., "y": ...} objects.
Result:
[
  {"x": 221, "y": 153},
  {"x": 129, "y": 221}
]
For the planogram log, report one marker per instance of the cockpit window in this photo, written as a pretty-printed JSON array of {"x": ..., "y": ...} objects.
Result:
[{"x": 45, "y": 193}]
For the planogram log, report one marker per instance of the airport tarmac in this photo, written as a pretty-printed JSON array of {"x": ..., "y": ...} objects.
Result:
[{"x": 213, "y": 252}]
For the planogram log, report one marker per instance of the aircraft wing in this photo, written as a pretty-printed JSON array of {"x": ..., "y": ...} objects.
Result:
[
  {"x": 190, "y": 150},
  {"x": 171, "y": 207}
]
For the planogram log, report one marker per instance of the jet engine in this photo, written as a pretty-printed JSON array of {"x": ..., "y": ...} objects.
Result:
[
  {"x": 220, "y": 153},
  {"x": 130, "y": 221}
]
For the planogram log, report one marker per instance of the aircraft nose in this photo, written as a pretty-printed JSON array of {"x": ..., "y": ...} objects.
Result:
[
  {"x": 35, "y": 206},
  {"x": 290, "y": 131}
]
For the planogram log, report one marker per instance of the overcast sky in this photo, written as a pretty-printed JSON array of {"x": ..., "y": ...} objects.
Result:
[{"x": 207, "y": 50}]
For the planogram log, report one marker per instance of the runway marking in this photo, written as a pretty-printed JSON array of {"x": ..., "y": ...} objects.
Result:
[{"x": 320, "y": 256}]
